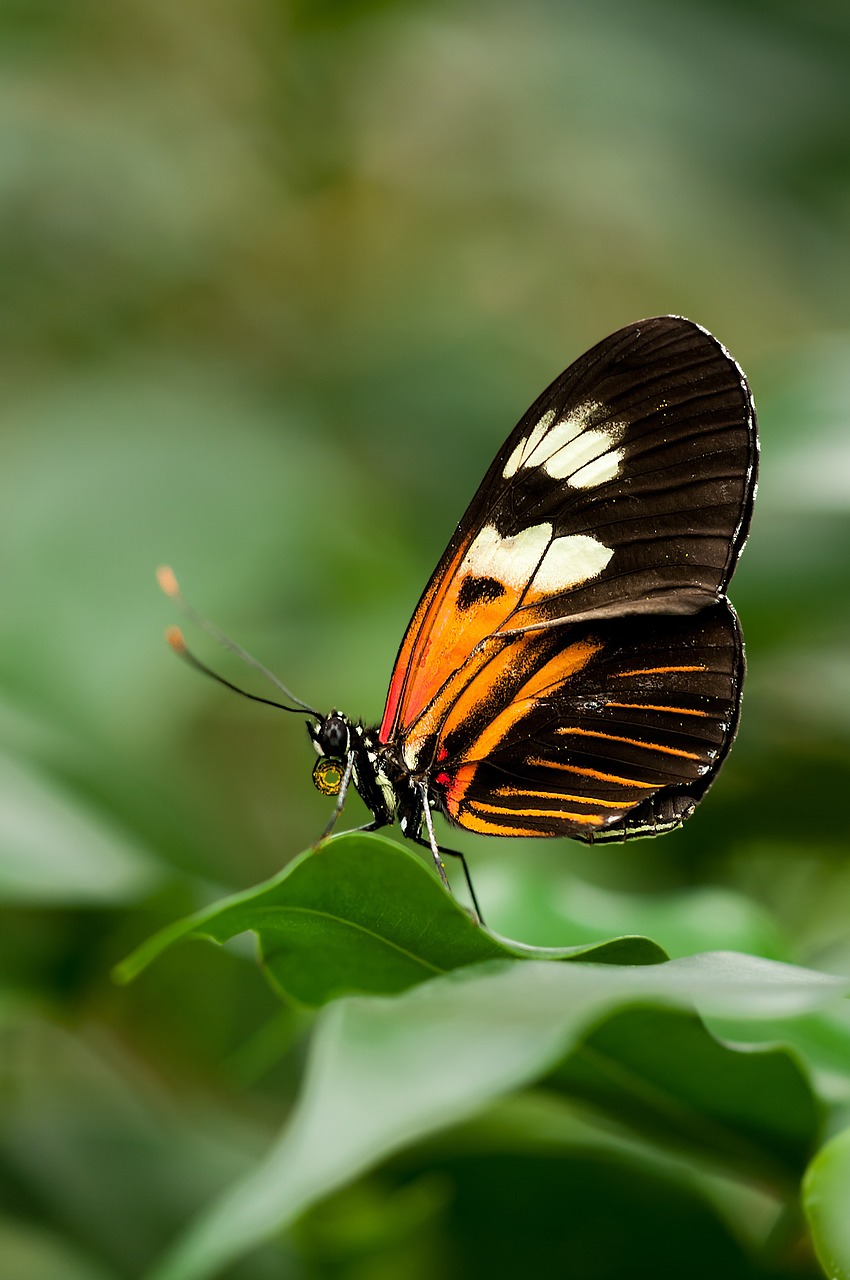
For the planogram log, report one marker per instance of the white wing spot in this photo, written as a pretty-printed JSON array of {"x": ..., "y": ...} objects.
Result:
[
  {"x": 571, "y": 560},
  {"x": 565, "y": 447},
  {"x": 528, "y": 443},
  {"x": 603, "y": 468},
  {"x": 588, "y": 447},
  {"x": 561, "y": 434},
  {"x": 511, "y": 561},
  {"x": 512, "y": 464},
  {"x": 540, "y": 430}
]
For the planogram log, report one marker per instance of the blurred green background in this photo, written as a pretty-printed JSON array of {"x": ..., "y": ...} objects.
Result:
[{"x": 276, "y": 279}]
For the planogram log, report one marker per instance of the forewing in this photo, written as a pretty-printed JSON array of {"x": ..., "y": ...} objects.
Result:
[
  {"x": 626, "y": 489},
  {"x": 623, "y": 741}
]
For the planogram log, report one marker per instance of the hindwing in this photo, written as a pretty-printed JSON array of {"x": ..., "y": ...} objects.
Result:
[{"x": 619, "y": 731}]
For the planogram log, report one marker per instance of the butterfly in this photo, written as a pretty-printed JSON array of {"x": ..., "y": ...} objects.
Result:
[{"x": 573, "y": 667}]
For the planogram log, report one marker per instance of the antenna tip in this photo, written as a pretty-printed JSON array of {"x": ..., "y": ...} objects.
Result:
[
  {"x": 167, "y": 581},
  {"x": 174, "y": 637}
]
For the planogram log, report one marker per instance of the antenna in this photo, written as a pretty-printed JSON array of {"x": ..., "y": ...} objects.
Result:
[{"x": 174, "y": 636}]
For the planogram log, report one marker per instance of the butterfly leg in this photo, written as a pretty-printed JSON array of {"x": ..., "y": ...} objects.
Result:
[
  {"x": 437, "y": 851},
  {"x": 340, "y": 800},
  {"x": 352, "y": 831}
]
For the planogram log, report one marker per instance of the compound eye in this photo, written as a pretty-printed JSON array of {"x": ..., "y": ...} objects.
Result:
[{"x": 327, "y": 776}]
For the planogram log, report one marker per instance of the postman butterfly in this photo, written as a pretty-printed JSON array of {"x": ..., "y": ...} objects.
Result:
[{"x": 573, "y": 667}]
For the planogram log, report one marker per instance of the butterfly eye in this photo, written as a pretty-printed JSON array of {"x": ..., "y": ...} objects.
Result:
[
  {"x": 327, "y": 776},
  {"x": 332, "y": 736}
]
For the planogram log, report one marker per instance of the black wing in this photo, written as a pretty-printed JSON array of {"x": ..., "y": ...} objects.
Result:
[
  {"x": 661, "y": 470},
  {"x": 626, "y": 489}
]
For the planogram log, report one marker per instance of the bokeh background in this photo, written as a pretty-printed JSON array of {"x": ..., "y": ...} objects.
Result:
[{"x": 276, "y": 279}]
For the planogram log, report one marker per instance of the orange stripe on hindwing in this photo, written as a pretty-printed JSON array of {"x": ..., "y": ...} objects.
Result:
[
  {"x": 584, "y": 819},
  {"x": 480, "y": 689},
  {"x": 648, "y": 706},
  {"x": 557, "y": 796},
  {"x": 481, "y": 825},
  {"x": 593, "y": 773},
  {"x": 490, "y": 654},
  {"x": 655, "y": 671},
  {"x": 632, "y": 742}
]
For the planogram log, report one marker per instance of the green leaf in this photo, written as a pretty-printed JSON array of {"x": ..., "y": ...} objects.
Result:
[
  {"x": 820, "y": 1040},
  {"x": 661, "y": 1073},
  {"x": 386, "y": 1072},
  {"x": 826, "y": 1197},
  {"x": 362, "y": 914},
  {"x": 533, "y": 898}
]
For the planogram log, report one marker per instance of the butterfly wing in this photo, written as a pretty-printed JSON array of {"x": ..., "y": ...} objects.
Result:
[
  {"x": 609, "y": 729},
  {"x": 573, "y": 666},
  {"x": 626, "y": 489}
]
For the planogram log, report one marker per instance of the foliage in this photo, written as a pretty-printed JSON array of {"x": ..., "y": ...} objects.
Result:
[
  {"x": 278, "y": 277},
  {"x": 362, "y": 916},
  {"x": 470, "y": 1021}
]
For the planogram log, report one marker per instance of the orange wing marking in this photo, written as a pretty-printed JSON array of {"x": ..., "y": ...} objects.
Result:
[
  {"x": 645, "y": 706},
  {"x": 493, "y": 653},
  {"x": 443, "y": 633},
  {"x": 484, "y": 827},
  {"x": 557, "y": 795},
  {"x": 557, "y": 669},
  {"x": 593, "y": 773},
  {"x": 414, "y": 646},
  {"x": 654, "y": 671},
  {"x": 586, "y": 819},
  {"x": 632, "y": 742}
]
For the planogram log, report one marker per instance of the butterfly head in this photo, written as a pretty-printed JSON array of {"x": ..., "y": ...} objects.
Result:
[{"x": 331, "y": 736}]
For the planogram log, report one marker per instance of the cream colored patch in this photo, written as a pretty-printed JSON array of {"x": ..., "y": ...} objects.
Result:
[
  {"x": 577, "y": 453},
  {"x": 512, "y": 465},
  {"x": 528, "y": 444},
  {"x": 540, "y": 430},
  {"x": 603, "y": 468},
  {"x": 570, "y": 561},
  {"x": 568, "y": 445},
  {"x": 511, "y": 561},
  {"x": 559, "y": 435}
]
